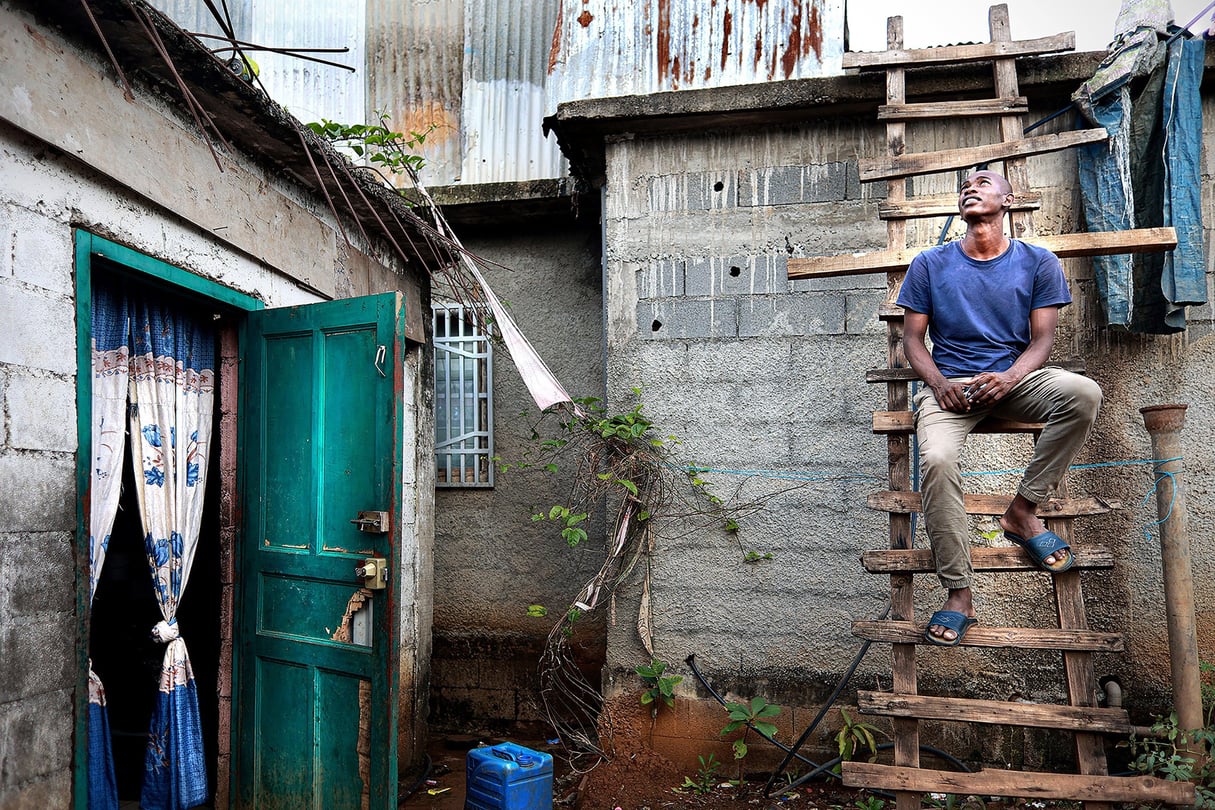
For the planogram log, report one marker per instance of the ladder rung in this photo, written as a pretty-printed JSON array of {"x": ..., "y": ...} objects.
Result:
[
  {"x": 959, "y": 53},
  {"x": 892, "y": 167},
  {"x": 994, "y": 712},
  {"x": 907, "y": 374},
  {"x": 1065, "y": 246},
  {"x": 1027, "y": 784},
  {"x": 904, "y": 502},
  {"x": 902, "y": 422},
  {"x": 896, "y": 632},
  {"x": 946, "y": 205},
  {"x": 953, "y": 109},
  {"x": 1002, "y": 558}
]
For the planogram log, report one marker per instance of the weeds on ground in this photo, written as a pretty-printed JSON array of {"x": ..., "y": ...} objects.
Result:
[{"x": 1169, "y": 752}]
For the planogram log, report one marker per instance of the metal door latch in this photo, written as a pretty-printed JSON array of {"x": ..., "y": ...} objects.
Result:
[
  {"x": 374, "y": 572},
  {"x": 372, "y": 522}
]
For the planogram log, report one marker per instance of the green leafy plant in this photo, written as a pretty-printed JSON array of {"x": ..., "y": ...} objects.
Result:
[
  {"x": 660, "y": 688},
  {"x": 854, "y": 737},
  {"x": 571, "y": 532},
  {"x": 706, "y": 776},
  {"x": 382, "y": 147},
  {"x": 1169, "y": 751},
  {"x": 870, "y": 802},
  {"x": 744, "y": 716}
]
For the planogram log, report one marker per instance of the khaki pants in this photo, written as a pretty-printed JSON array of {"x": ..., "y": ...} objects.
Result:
[{"x": 1066, "y": 402}]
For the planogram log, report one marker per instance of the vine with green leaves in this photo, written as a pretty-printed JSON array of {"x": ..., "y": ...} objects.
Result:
[{"x": 1182, "y": 755}]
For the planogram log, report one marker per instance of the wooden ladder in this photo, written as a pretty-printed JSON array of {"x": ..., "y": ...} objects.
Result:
[{"x": 1072, "y": 638}]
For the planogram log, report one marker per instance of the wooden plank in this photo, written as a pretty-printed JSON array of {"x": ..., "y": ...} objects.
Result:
[
  {"x": 891, "y": 501},
  {"x": 885, "y": 168},
  {"x": 1000, "y": 558},
  {"x": 980, "y": 52},
  {"x": 1026, "y": 784},
  {"x": 896, "y": 632},
  {"x": 879, "y": 375},
  {"x": 1065, "y": 246},
  {"x": 944, "y": 205},
  {"x": 953, "y": 109},
  {"x": 899, "y": 422},
  {"x": 1004, "y": 75},
  {"x": 898, "y": 448},
  {"x": 993, "y": 712}
]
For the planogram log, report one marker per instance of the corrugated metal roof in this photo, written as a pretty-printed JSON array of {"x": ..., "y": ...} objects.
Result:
[
  {"x": 479, "y": 76},
  {"x": 611, "y": 48},
  {"x": 309, "y": 90},
  {"x": 415, "y": 64}
]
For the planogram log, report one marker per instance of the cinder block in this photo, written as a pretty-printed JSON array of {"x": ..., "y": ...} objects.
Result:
[
  {"x": 41, "y": 492},
  {"x": 36, "y": 330},
  {"x": 37, "y": 657},
  {"x": 52, "y": 793},
  {"x": 671, "y": 320},
  {"x": 663, "y": 278},
  {"x": 28, "y": 400},
  {"x": 36, "y": 738},
  {"x": 28, "y": 561},
  {"x": 737, "y": 275},
  {"x": 42, "y": 252},
  {"x": 791, "y": 315}
]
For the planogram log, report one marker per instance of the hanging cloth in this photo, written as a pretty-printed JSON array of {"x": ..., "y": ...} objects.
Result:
[
  {"x": 172, "y": 395},
  {"x": 110, "y": 360},
  {"x": 1148, "y": 174}
]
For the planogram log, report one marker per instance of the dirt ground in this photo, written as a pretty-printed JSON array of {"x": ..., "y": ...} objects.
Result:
[{"x": 642, "y": 780}]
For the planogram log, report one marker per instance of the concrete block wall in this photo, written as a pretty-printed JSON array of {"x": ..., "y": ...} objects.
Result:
[
  {"x": 491, "y": 559},
  {"x": 757, "y": 373}
]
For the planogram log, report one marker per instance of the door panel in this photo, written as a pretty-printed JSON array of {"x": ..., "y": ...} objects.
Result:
[{"x": 317, "y": 651}]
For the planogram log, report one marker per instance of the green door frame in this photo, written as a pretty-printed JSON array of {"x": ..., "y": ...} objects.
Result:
[{"x": 88, "y": 247}]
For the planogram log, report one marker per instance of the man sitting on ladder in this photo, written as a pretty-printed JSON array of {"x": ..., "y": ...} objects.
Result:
[{"x": 990, "y": 305}]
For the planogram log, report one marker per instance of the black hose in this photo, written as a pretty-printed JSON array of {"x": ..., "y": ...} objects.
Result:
[{"x": 426, "y": 766}]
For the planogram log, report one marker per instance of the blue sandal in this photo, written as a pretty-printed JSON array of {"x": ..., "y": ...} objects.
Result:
[
  {"x": 1041, "y": 546},
  {"x": 950, "y": 620}
]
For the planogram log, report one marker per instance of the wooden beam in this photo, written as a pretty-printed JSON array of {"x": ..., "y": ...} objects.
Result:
[
  {"x": 1002, "y": 558},
  {"x": 898, "y": 422},
  {"x": 993, "y": 712},
  {"x": 1136, "y": 790},
  {"x": 919, "y": 57},
  {"x": 903, "y": 373},
  {"x": 1028, "y": 638},
  {"x": 893, "y": 501},
  {"x": 945, "y": 205},
  {"x": 915, "y": 163},
  {"x": 1065, "y": 246},
  {"x": 953, "y": 109}
]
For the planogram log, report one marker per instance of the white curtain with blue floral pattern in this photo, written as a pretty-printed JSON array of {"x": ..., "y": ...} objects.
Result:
[
  {"x": 172, "y": 397},
  {"x": 111, "y": 376}
]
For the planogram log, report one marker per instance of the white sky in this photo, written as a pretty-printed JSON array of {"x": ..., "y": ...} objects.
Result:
[{"x": 941, "y": 22}]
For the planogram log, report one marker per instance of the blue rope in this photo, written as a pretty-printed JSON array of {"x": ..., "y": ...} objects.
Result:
[{"x": 1161, "y": 475}]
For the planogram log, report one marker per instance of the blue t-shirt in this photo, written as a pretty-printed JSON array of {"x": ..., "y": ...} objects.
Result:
[{"x": 978, "y": 311}]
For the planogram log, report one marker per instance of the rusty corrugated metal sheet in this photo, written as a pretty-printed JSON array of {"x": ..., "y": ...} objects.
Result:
[
  {"x": 610, "y": 47},
  {"x": 505, "y": 65},
  {"x": 415, "y": 72}
]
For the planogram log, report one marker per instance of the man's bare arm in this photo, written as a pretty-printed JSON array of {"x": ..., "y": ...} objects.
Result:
[{"x": 950, "y": 395}]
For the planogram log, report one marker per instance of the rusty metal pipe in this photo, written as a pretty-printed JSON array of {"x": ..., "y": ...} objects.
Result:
[{"x": 1164, "y": 424}]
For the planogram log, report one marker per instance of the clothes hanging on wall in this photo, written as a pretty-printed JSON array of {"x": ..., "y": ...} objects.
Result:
[{"x": 1148, "y": 174}]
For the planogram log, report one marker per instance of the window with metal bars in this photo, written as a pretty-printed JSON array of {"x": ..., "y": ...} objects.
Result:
[{"x": 464, "y": 433}]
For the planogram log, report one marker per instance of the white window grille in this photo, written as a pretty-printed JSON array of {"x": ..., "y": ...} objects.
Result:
[{"x": 464, "y": 433}]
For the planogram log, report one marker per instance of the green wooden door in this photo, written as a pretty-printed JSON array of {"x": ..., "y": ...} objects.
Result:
[{"x": 317, "y": 653}]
